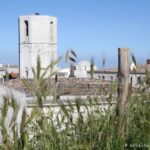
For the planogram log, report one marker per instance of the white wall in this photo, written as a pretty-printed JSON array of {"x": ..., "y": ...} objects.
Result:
[
  {"x": 82, "y": 68},
  {"x": 2, "y": 73},
  {"x": 134, "y": 78}
]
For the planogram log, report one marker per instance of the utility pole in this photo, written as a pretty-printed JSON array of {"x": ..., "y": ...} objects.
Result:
[{"x": 123, "y": 78}]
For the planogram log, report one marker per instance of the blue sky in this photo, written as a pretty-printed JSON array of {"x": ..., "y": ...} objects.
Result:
[{"x": 93, "y": 28}]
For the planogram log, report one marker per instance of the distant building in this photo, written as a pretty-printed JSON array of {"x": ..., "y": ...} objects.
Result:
[
  {"x": 64, "y": 73},
  {"x": 11, "y": 68},
  {"x": 82, "y": 69},
  {"x": 2, "y": 72},
  {"x": 12, "y": 71},
  {"x": 112, "y": 74},
  {"x": 37, "y": 36}
]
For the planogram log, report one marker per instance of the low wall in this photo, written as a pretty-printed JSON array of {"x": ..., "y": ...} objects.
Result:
[
  {"x": 80, "y": 86},
  {"x": 65, "y": 86}
]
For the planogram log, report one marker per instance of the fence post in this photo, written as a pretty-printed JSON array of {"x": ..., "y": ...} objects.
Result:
[{"x": 123, "y": 79}]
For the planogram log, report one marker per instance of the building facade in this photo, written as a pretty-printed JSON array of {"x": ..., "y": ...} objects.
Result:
[
  {"x": 37, "y": 37},
  {"x": 135, "y": 77}
]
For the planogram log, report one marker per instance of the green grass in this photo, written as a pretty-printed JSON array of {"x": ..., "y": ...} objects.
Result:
[{"x": 84, "y": 125}]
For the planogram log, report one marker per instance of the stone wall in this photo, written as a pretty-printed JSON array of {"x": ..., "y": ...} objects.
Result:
[
  {"x": 80, "y": 86},
  {"x": 65, "y": 86}
]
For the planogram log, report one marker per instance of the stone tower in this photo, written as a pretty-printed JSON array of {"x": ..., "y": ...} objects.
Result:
[{"x": 37, "y": 36}]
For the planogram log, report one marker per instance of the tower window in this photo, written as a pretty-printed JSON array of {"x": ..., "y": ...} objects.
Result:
[
  {"x": 27, "y": 72},
  {"x": 26, "y": 27},
  {"x": 51, "y": 31}
]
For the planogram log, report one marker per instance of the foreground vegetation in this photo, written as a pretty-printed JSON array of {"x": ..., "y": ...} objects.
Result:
[{"x": 83, "y": 125}]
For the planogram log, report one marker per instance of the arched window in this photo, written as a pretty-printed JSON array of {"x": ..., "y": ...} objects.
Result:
[
  {"x": 27, "y": 72},
  {"x": 26, "y": 27},
  {"x": 51, "y": 31}
]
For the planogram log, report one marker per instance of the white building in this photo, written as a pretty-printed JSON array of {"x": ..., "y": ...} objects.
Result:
[
  {"x": 10, "y": 69},
  {"x": 64, "y": 73},
  {"x": 37, "y": 36},
  {"x": 82, "y": 68},
  {"x": 111, "y": 74}
]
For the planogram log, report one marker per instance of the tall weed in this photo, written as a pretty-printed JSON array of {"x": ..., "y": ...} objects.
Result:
[{"x": 78, "y": 125}]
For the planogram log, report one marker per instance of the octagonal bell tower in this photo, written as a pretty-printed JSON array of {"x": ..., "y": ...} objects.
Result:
[{"x": 37, "y": 36}]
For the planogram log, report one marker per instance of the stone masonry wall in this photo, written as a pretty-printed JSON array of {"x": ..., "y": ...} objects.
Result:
[
  {"x": 65, "y": 86},
  {"x": 80, "y": 86}
]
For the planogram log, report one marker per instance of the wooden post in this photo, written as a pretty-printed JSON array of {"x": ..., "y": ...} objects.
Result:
[{"x": 123, "y": 79}]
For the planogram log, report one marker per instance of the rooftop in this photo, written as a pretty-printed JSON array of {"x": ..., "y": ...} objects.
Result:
[{"x": 64, "y": 86}]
